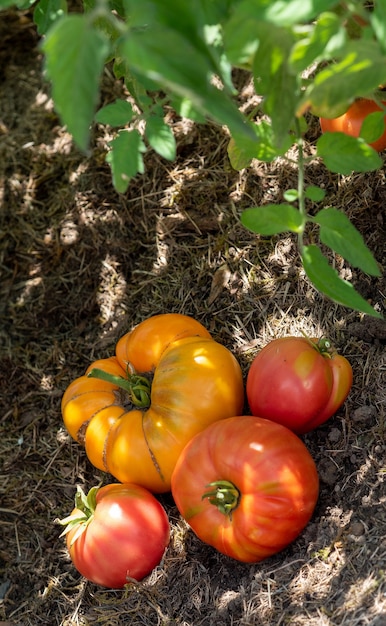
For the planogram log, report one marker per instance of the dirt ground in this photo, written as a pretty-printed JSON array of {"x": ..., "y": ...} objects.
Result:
[{"x": 80, "y": 265}]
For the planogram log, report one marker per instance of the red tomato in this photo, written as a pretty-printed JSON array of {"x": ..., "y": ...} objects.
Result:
[
  {"x": 246, "y": 486},
  {"x": 298, "y": 382},
  {"x": 351, "y": 122},
  {"x": 116, "y": 533}
]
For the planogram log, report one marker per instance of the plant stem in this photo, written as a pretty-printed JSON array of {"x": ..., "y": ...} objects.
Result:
[
  {"x": 102, "y": 11},
  {"x": 138, "y": 387},
  {"x": 301, "y": 195}
]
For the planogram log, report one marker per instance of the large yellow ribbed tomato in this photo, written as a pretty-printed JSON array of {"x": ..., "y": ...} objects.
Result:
[{"x": 134, "y": 412}]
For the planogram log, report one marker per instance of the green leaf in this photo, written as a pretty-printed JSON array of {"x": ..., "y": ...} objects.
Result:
[
  {"x": 118, "y": 113},
  {"x": 378, "y": 22},
  {"x": 160, "y": 137},
  {"x": 241, "y": 39},
  {"x": 242, "y": 149},
  {"x": 322, "y": 41},
  {"x": 316, "y": 194},
  {"x": 282, "y": 12},
  {"x": 140, "y": 13},
  {"x": 198, "y": 23},
  {"x": 344, "y": 154},
  {"x": 20, "y": 4},
  {"x": 75, "y": 56},
  {"x": 111, "y": 27},
  {"x": 326, "y": 280},
  {"x": 288, "y": 13},
  {"x": 275, "y": 81},
  {"x": 291, "y": 195},
  {"x": 118, "y": 6},
  {"x": 272, "y": 219},
  {"x": 373, "y": 126},
  {"x": 134, "y": 85},
  {"x": 337, "y": 232},
  {"x": 186, "y": 72},
  {"x": 241, "y": 153},
  {"x": 359, "y": 72},
  {"x": 47, "y": 12},
  {"x": 125, "y": 158},
  {"x": 89, "y": 5},
  {"x": 185, "y": 108}
]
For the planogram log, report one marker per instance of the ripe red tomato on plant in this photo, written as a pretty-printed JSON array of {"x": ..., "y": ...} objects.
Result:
[
  {"x": 135, "y": 411},
  {"x": 298, "y": 382},
  {"x": 246, "y": 486},
  {"x": 116, "y": 533},
  {"x": 351, "y": 121}
]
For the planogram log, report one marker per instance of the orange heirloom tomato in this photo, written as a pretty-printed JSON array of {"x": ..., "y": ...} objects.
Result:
[
  {"x": 134, "y": 412},
  {"x": 246, "y": 486},
  {"x": 298, "y": 382},
  {"x": 351, "y": 121}
]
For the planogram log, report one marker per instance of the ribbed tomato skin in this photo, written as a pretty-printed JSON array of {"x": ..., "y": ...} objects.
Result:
[
  {"x": 273, "y": 472},
  {"x": 194, "y": 382}
]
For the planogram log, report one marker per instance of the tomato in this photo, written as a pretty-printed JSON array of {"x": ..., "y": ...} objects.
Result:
[
  {"x": 167, "y": 381},
  {"x": 246, "y": 486},
  {"x": 351, "y": 121},
  {"x": 116, "y": 533},
  {"x": 298, "y": 382}
]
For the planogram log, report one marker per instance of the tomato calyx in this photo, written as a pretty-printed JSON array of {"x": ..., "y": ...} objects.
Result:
[
  {"x": 322, "y": 345},
  {"x": 224, "y": 495},
  {"x": 82, "y": 515},
  {"x": 325, "y": 347},
  {"x": 138, "y": 387}
]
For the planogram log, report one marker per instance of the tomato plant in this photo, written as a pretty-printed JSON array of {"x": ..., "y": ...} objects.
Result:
[
  {"x": 135, "y": 411},
  {"x": 246, "y": 486},
  {"x": 316, "y": 56},
  {"x": 298, "y": 382},
  {"x": 116, "y": 533},
  {"x": 352, "y": 120}
]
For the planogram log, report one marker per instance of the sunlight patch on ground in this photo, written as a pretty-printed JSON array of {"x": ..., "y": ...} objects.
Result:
[{"x": 114, "y": 284}]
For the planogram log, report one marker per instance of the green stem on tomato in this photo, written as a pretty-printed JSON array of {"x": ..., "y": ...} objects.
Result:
[
  {"x": 323, "y": 345},
  {"x": 138, "y": 387},
  {"x": 83, "y": 513},
  {"x": 224, "y": 495}
]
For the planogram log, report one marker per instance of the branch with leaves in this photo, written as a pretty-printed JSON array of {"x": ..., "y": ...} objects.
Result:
[{"x": 304, "y": 56}]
